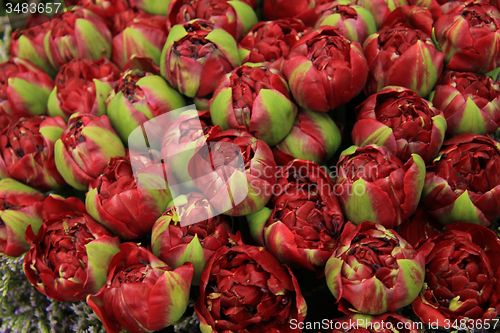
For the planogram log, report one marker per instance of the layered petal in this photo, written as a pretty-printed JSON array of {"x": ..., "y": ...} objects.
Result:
[
  {"x": 69, "y": 257},
  {"x": 374, "y": 270}
]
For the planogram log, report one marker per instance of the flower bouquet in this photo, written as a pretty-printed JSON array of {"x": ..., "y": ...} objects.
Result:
[{"x": 250, "y": 166}]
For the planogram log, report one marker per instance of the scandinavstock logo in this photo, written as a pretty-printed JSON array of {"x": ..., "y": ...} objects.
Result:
[{"x": 221, "y": 182}]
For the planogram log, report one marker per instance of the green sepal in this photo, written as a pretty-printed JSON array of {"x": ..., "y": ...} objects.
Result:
[
  {"x": 16, "y": 220},
  {"x": 34, "y": 96},
  {"x": 201, "y": 103},
  {"x": 349, "y": 151},
  {"x": 165, "y": 92},
  {"x": 472, "y": 120},
  {"x": 52, "y": 133},
  {"x": 46, "y": 45},
  {"x": 27, "y": 51},
  {"x": 102, "y": 91},
  {"x": 64, "y": 169},
  {"x": 412, "y": 273},
  {"x": 256, "y": 222},
  {"x": 108, "y": 141},
  {"x": 219, "y": 109},
  {"x": 226, "y": 44},
  {"x": 434, "y": 40},
  {"x": 97, "y": 45},
  {"x": 378, "y": 137},
  {"x": 90, "y": 204},
  {"x": 255, "y": 64},
  {"x": 420, "y": 178},
  {"x": 160, "y": 226},
  {"x": 359, "y": 207},
  {"x": 333, "y": 271},
  {"x": 245, "y": 13},
  {"x": 172, "y": 286},
  {"x": 440, "y": 122},
  {"x": 463, "y": 211},
  {"x": 194, "y": 255},
  {"x": 430, "y": 97},
  {"x": 493, "y": 73},
  {"x": 11, "y": 185},
  {"x": 123, "y": 122},
  {"x": 331, "y": 132},
  {"x": 146, "y": 48},
  {"x": 205, "y": 328},
  {"x": 176, "y": 33},
  {"x": 282, "y": 114},
  {"x": 371, "y": 26},
  {"x": 156, "y": 7},
  {"x": 53, "y": 108},
  {"x": 430, "y": 186},
  {"x": 99, "y": 253},
  {"x": 179, "y": 167},
  {"x": 243, "y": 53},
  {"x": 330, "y": 20},
  {"x": 153, "y": 182}
]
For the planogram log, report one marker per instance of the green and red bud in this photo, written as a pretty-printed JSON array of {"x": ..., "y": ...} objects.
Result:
[
  {"x": 374, "y": 185},
  {"x": 180, "y": 139},
  {"x": 86, "y": 146},
  {"x": 402, "y": 49},
  {"x": 374, "y": 270},
  {"x": 463, "y": 182},
  {"x": 128, "y": 201},
  {"x": 138, "y": 97},
  {"x": 469, "y": 36},
  {"x": 258, "y": 295},
  {"x": 189, "y": 231},
  {"x": 305, "y": 219},
  {"x": 235, "y": 17},
  {"x": 314, "y": 137},
  {"x": 78, "y": 33},
  {"x": 28, "y": 43},
  {"x": 141, "y": 293},
  {"x": 24, "y": 89},
  {"x": 234, "y": 170},
  {"x": 139, "y": 33},
  {"x": 403, "y": 122},
  {"x": 354, "y": 21},
  {"x": 325, "y": 69},
  {"x": 256, "y": 98},
  {"x": 196, "y": 56},
  {"x": 27, "y": 152},
  {"x": 69, "y": 257},
  {"x": 82, "y": 86},
  {"x": 271, "y": 41},
  {"x": 470, "y": 102}
]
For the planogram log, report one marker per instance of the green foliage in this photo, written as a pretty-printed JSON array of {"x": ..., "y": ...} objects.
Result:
[
  {"x": 4, "y": 44},
  {"x": 189, "y": 323}
]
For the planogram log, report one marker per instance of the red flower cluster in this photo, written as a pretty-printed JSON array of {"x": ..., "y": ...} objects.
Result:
[{"x": 157, "y": 153}]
